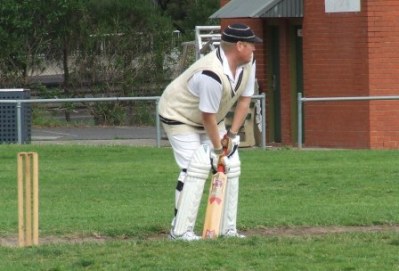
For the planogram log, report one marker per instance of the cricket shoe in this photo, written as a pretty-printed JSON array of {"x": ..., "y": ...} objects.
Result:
[
  {"x": 187, "y": 236},
  {"x": 233, "y": 233}
]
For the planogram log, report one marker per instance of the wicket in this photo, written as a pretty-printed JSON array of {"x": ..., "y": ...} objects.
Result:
[{"x": 28, "y": 198}]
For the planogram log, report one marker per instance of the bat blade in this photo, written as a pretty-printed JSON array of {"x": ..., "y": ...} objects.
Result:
[{"x": 214, "y": 208}]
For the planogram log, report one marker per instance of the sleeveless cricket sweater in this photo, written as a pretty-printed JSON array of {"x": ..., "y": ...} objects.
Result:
[{"x": 179, "y": 106}]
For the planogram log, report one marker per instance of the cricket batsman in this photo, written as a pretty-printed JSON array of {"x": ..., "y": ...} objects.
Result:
[{"x": 192, "y": 110}]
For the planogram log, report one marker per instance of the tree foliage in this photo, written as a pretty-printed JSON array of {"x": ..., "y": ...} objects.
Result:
[
  {"x": 24, "y": 27},
  {"x": 32, "y": 32},
  {"x": 186, "y": 14},
  {"x": 109, "y": 47}
]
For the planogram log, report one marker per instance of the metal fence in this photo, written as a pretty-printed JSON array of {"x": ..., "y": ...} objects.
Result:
[
  {"x": 18, "y": 104},
  {"x": 302, "y": 100}
]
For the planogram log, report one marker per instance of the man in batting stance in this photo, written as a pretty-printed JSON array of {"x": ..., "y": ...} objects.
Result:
[{"x": 192, "y": 109}]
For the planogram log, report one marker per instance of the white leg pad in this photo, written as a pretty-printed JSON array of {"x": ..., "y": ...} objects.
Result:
[
  {"x": 229, "y": 217},
  {"x": 190, "y": 196}
]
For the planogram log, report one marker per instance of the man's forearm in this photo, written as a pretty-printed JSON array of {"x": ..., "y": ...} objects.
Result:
[
  {"x": 240, "y": 113},
  {"x": 211, "y": 127}
]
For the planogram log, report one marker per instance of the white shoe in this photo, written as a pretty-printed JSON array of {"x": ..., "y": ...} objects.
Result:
[
  {"x": 187, "y": 236},
  {"x": 233, "y": 233}
]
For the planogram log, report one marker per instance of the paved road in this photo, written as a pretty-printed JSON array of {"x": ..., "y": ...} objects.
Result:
[{"x": 145, "y": 136}]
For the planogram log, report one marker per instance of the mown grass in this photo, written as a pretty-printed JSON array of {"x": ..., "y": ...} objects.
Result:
[
  {"x": 125, "y": 194},
  {"x": 359, "y": 251}
]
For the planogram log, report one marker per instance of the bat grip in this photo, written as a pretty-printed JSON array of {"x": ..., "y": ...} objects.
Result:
[{"x": 221, "y": 166}]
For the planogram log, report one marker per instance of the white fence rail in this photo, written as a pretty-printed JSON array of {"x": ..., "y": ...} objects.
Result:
[
  {"x": 302, "y": 100},
  {"x": 18, "y": 104}
]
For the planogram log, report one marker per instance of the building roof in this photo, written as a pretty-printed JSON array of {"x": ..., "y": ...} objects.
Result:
[{"x": 260, "y": 9}]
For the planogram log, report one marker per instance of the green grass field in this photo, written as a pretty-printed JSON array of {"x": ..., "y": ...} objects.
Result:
[{"x": 110, "y": 208}]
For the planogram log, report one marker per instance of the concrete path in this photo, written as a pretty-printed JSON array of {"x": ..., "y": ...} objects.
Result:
[{"x": 141, "y": 136}]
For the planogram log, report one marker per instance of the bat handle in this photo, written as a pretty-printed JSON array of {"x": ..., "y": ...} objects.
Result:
[{"x": 221, "y": 166}]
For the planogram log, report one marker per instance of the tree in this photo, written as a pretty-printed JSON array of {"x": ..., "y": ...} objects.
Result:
[
  {"x": 23, "y": 39},
  {"x": 186, "y": 14},
  {"x": 110, "y": 47},
  {"x": 125, "y": 51},
  {"x": 68, "y": 30},
  {"x": 130, "y": 37}
]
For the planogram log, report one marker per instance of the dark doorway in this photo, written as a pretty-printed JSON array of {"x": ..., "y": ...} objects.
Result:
[{"x": 275, "y": 84}]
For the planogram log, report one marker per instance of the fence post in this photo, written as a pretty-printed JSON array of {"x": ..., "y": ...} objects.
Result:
[
  {"x": 300, "y": 120},
  {"x": 19, "y": 121},
  {"x": 157, "y": 122},
  {"x": 263, "y": 104}
]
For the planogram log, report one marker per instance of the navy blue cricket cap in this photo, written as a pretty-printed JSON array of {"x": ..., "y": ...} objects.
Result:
[{"x": 239, "y": 32}]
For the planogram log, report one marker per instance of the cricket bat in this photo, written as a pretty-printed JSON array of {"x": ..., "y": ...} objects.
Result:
[{"x": 214, "y": 209}]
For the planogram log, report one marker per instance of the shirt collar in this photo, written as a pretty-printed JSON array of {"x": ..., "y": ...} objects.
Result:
[{"x": 226, "y": 68}]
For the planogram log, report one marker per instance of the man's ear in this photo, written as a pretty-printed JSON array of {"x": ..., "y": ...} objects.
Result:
[{"x": 239, "y": 45}]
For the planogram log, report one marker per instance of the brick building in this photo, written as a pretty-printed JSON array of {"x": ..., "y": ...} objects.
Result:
[{"x": 326, "y": 48}]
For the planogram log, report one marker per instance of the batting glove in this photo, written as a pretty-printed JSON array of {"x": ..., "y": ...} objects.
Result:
[
  {"x": 218, "y": 158},
  {"x": 230, "y": 141}
]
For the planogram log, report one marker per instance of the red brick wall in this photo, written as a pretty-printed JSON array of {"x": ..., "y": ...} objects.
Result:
[
  {"x": 335, "y": 50},
  {"x": 344, "y": 54},
  {"x": 383, "y": 42},
  {"x": 285, "y": 83}
]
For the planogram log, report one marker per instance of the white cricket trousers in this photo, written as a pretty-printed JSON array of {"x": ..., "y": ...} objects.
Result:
[{"x": 184, "y": 146}]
